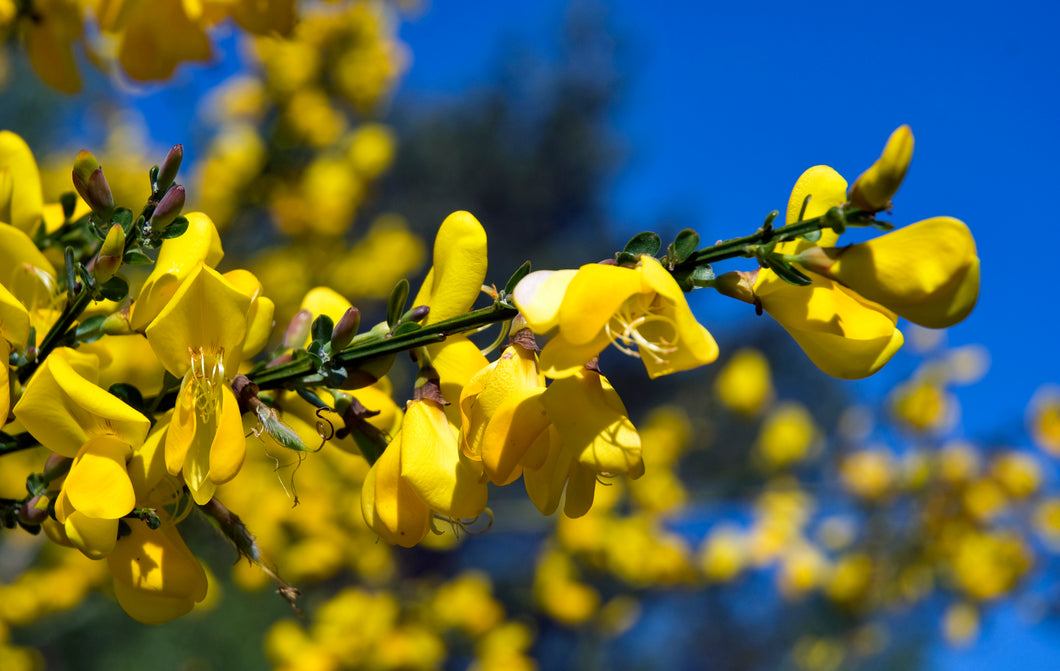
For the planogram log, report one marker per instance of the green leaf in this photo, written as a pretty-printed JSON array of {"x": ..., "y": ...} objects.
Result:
[
  {"x": 124, "y": 217},
  {"x": 882, "y": 225},
  {"x": 90, "y": 330},
  {"x": 322, "y": 328},
  {"x": 115, "y": 289},
  {"x": 812, "y": 236},
  {"x": 136, "y": 257},
  {"x": 625, "y": 259},
  {"x": 702, "y": 275},
  {"x": 129, "y": 394},
  {"x": 395, "y": 306},
  {"x": 407, "y": 327},
  {"x": 789, "y": 273},
  {"x": 175, "y": 229},
  {"x": 68, "y": 201},
  {"x": 310, "y": 397},
  {"x": 644, "y": 243},
  {"x": 281, "y": 433},
  {"x": 518, "y": 275},
  {"x": 685, "y": 244}
]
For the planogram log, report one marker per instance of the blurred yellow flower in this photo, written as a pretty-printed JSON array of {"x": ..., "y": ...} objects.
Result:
[
  {"x": 788, "y": 435},
  {"x": 868, "y": 473},
  {"x": 744, "y": 385}
]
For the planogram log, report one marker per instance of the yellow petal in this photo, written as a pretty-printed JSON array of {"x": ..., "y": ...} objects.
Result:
[
  {"x": 14, "y": 319},
  {"x": 876, "y": 186},
  {"x": 177, "y": 259},
  {"x": 98, "y": 483},
  {"x": 927, "y": 272},
  {"x": 259, "y": 316},
  {"x": 206, "y": 313},
  {"x": 182, "y": 428},
  {"x": 5, "y": 382},
  {"x": 539, "y": 296},
  {"x": 24, "y": 271},
  {"x": 694, "y": 344},
  {"x": 148, "y": 464},
  {"x": 827, "y": 189},
  {"x": 514, "y": 428},
  {"x": 561, "y": 358},
  {"x": 433, "y": 466},
  {"x": 390, "y": 507},
  {"x": 229, "y": 446},
  {"x": 95, "y": 537},
  {"x": 158, "y": 36},
  {"x": 592, "y": 298},
  {"x": 62, "y": 409},
  {"x": 455, "y": 280},
  {"x": 581, "y": 489},
  {"x": 23, "y": 205},
  {"x": 545, "y": 485},
  {"x": 844, "y": 335}
]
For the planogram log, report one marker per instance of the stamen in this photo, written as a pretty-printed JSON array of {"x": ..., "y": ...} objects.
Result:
[
  {"x": 208, "y": 375},
  {"x": 624, "y": 331}
]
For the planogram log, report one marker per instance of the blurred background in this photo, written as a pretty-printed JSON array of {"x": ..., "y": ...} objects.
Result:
[{"x": 786, "y": 520}]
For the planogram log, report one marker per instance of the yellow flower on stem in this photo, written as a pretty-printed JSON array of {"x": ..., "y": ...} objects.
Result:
[
  {"x": 927, "y": 272},
  {"x": 156, "y": 577},
  {"x": 68, "y": 413},
  {"x": 844, "y": 334},
  {"x": 876, "y": 186},
  {"x": 198, "y": 336},
  {"x": 641, "y": 310}
]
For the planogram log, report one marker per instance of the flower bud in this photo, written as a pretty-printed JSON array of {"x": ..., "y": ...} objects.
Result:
[
  {"x": 92, "y": 185},
  {"x": 345, "y": 329},
  {"x": 737, "y": 284},
  {"x": 109, "y": 259},
  {"x": 298, "y": 329},
  {"x": 167, "y": 172},
  {"x": 873, "y": 190},
  {"x": 34, "y": 511},
  {"x": 167, "y": 209}
]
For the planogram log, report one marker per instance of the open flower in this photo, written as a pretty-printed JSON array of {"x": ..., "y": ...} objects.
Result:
[
  {"x": 199, "y": 337},
  {"x": 68, "y": 413},
  {"x": 641, "y": 310},
  {"x": 21, "y": 200}
]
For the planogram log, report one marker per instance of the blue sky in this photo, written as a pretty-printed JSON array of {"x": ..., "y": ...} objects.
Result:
[{"x": 725, "y": 106}]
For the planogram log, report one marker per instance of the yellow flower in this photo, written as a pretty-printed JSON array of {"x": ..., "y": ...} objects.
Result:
[
  {"x": 582, "y": 431},
  {"x": 391, "y": 508},
  {"x": 844, "y": 334},
  {"x": 68, "y": 413},
  {"x": 787, "y": 436},
  {"x": 496, "y": 390},
  {"x": 21, "y": 202},
  {"x": 178, "y": 258},
  {"x": 876, "y": 186},
  {"x": 641, "y": 310},
  {"x": 50, "y": 36},
  {"x": 744, "y": 384},
  {"x": 927, "y": 272},
  {"x": 1043, "y": 418},
  {"x": 199, "y": 336},
  {"x": 156, "y": 36},
  {"x": 156, "y": 577}
]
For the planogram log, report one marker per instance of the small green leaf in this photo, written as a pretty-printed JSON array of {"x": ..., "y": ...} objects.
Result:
[
  {"x": 789, "y": 273},
  {"x": 685, "y": 244},
  {"x": 136, "y": 257},
  {"x": 882, "y": 225},
  {"x": 625, "y": 259},
  {"x": 115, "y": 289},
  {"x": 310, "y": 397},
  {"x": 123, "y": 216},
  {"x": 812, "y": 236},
  {"x": 90, "y": 330},
  {"x": 702, "y": 275},
  {"x": 69, "y": 202},
  {"x": 644, "y": 243},
  {"x": 395, "y": 306},
  {"x": 128, "y": 393},
  {"x": 175, "y": 229},
  {"x": 407, "y": 327},
  {"x": 518, "y": 275},
  {"x": 322, "y": 328},
  {"x": 281, "y": 433}
]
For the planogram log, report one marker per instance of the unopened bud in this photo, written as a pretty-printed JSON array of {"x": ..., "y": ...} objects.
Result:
[
  {"x": 167, "y": 172},
  {"x": 298, "y": 329},
  {"x": 117, "y": 323},
  {"x": 873, "y": 190},
  {"x": 738, "y": 284},
  {"x": 108, "y": 261},
  {"x": 92, "y": 185},
  {"x": 417, "y": 314},
  {"x": 345, "y": 329},
  {"x": 34, "y": 511},
  {"x": 167, "y": 209}
]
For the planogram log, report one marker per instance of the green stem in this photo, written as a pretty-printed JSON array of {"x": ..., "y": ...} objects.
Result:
[
  {"x": 730, "y": 249},
  {"x": 279, "y": 376}
]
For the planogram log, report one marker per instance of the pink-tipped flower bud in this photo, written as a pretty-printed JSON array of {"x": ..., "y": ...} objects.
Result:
[
  {"x": 167, "y": 172},
  {"x": 167, "y": 209},
  {"x": 298, "y": 329},
  {"x": 34, "y": 511},
  {"x": 92, "y": 185},
  {"x": 345, "y": 329},
  {"x": 109, "y": 259}
]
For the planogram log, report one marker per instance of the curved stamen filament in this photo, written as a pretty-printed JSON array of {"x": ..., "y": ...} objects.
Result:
[
  {"x": 208, "y": 374},
  {"x": 624, "y": 331}
]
